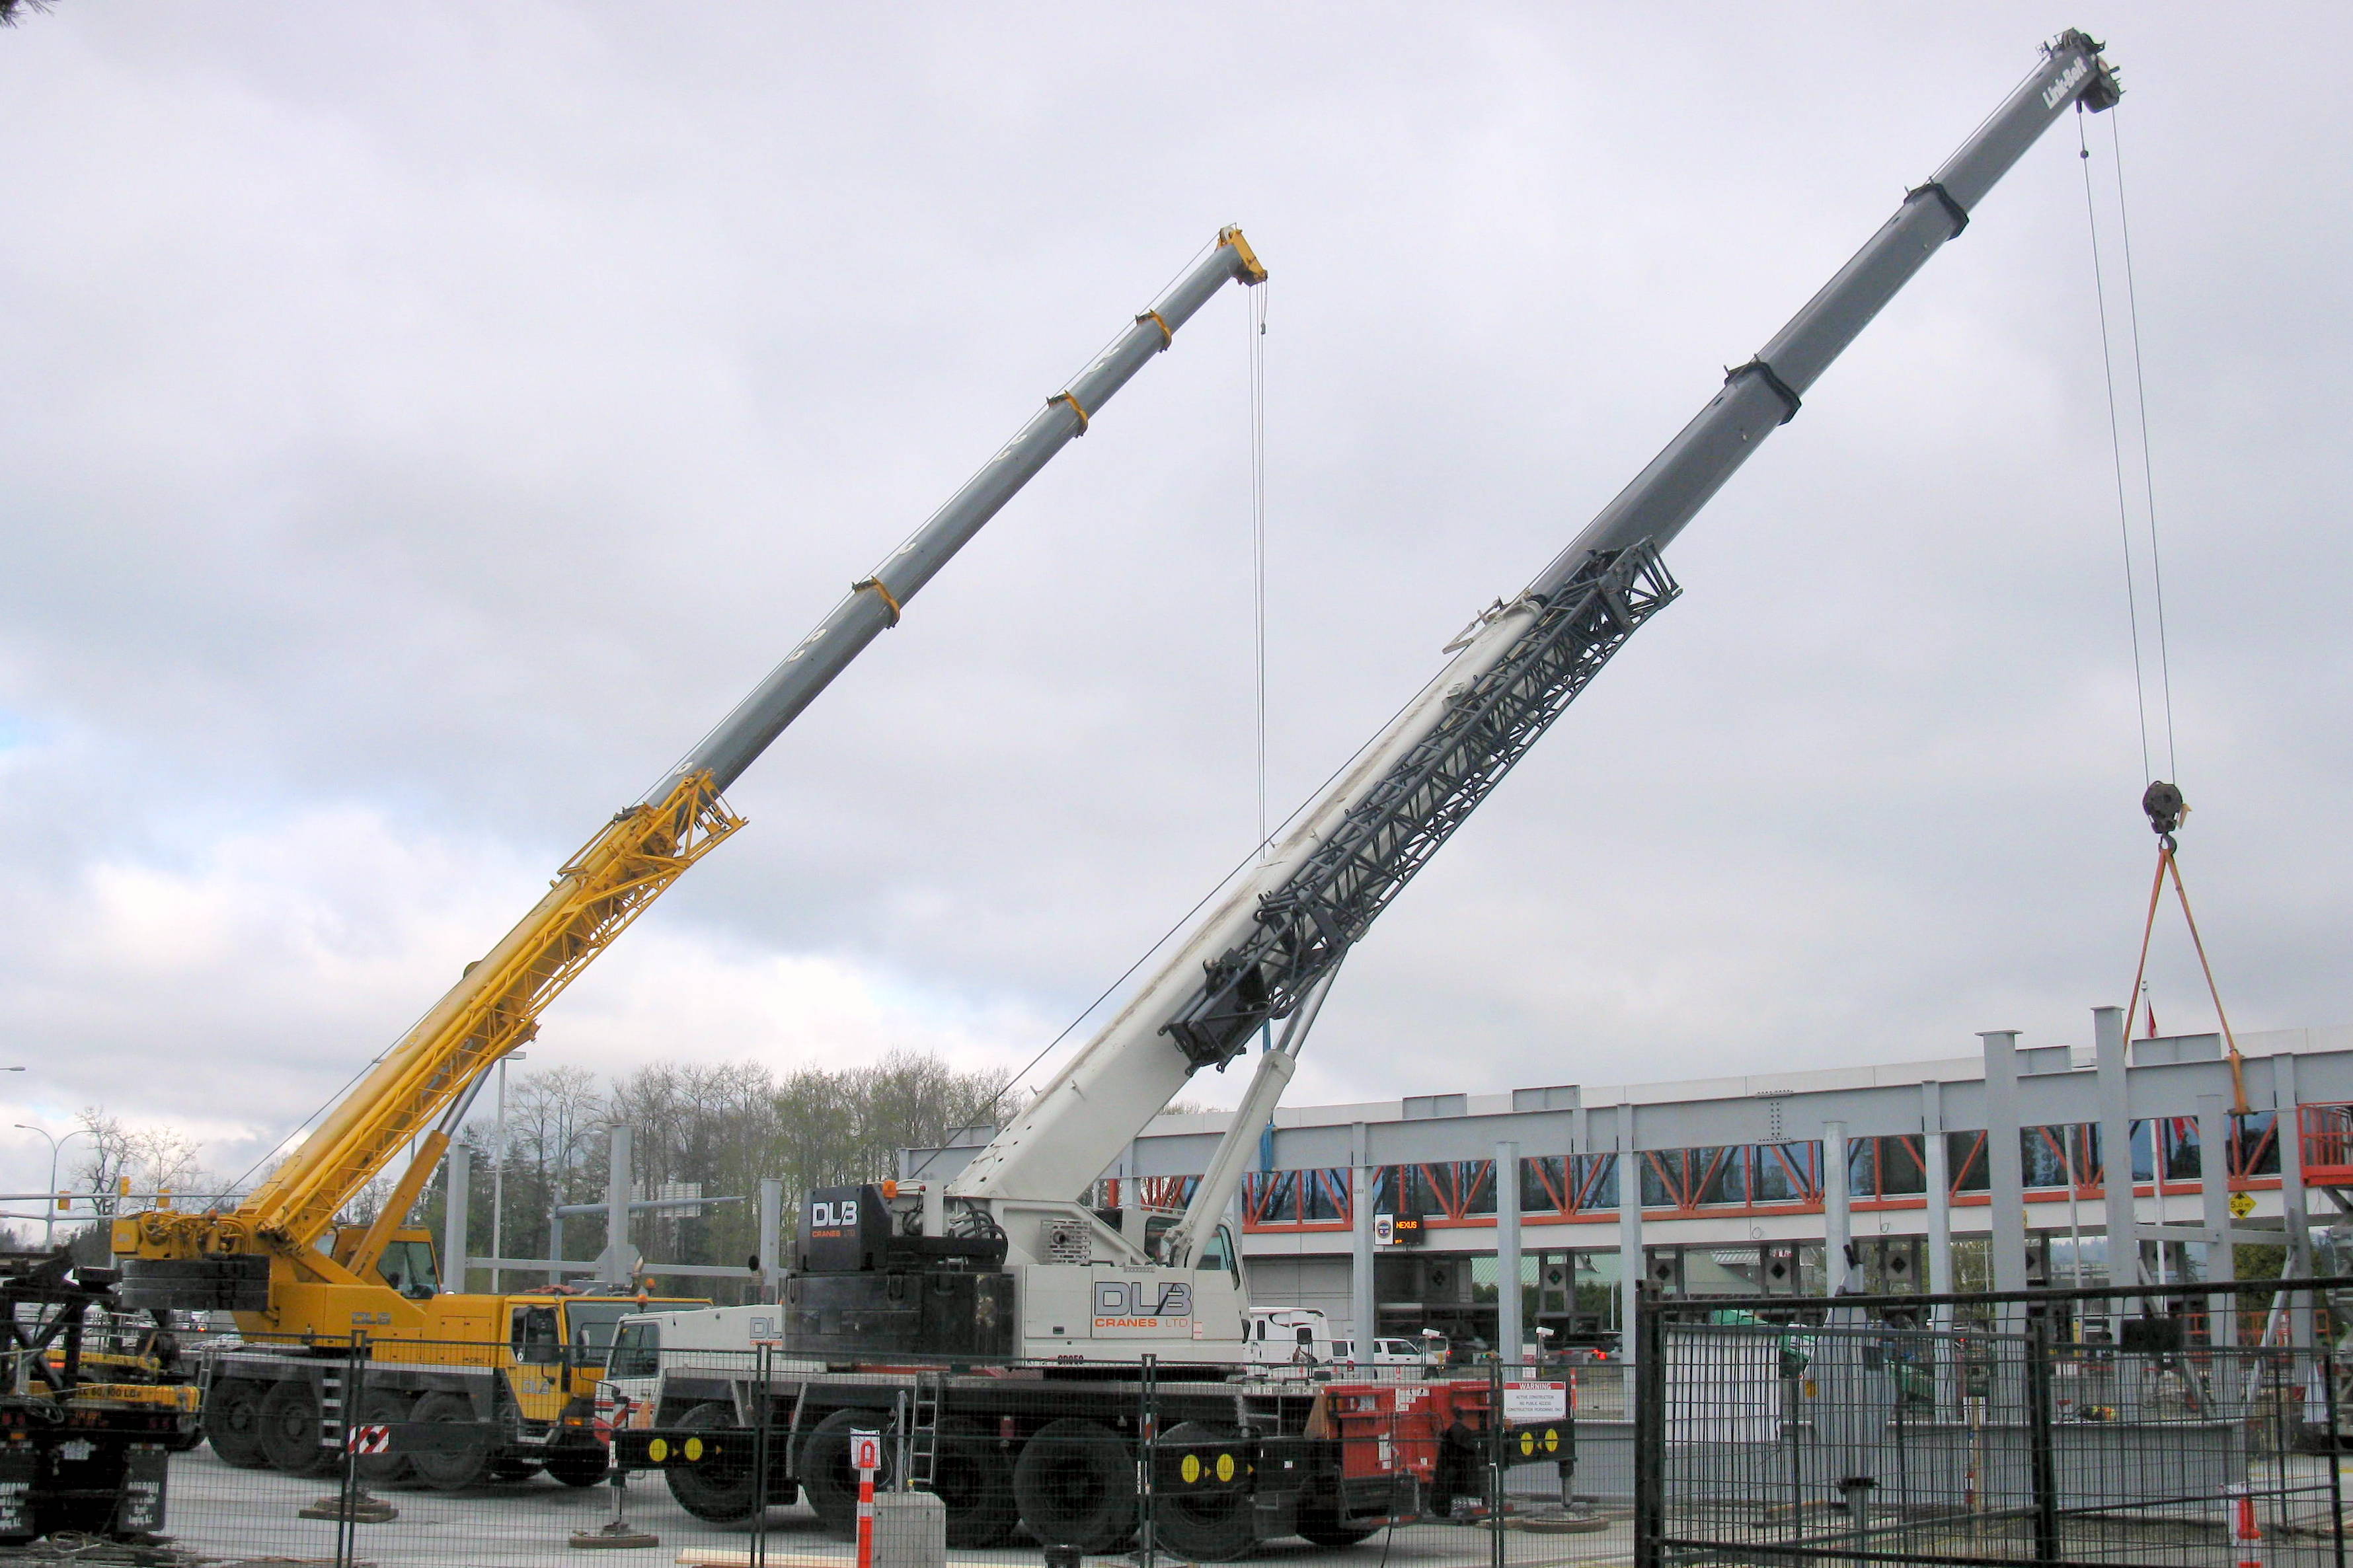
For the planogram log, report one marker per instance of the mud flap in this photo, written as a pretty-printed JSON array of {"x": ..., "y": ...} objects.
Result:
[
  {"x": 20, "y": 1467},
  {"x": 145, "y": 1472}
]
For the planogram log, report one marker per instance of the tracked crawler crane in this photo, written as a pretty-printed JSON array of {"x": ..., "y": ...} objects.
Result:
[{"x": 279, "y": 1259}]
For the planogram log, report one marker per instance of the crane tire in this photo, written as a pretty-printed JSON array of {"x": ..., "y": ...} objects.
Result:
[
  {"x": 579, "y": 1464},
  {"x": 289, "y": 1428},
  {"x": 1204, "y": 1527},
  {"x": 1319, "y": 1520},
  {"x": 825, "y": 1474},
  {"x": 387, "y": 1408},
  {"x": 456, "y": 1471},
  {"x": 233, "y": 1423},
  {"x": 719, "y": 1492},
  {"x": 973, "y": 1476},
  {"x": 1075, "y": 1485}
]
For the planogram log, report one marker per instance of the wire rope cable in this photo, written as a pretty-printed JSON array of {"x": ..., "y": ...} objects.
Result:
[
  {"x": 2115, "y": 446},
  {"x": 2148, "y": 464},
  {"x": 1223, "y": 882},
  {"x": 1257, "y": 325}
]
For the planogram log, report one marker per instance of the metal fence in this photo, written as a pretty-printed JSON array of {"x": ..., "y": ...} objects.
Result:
[
  {"x": 404, "y": 1455},
  {"x": 2101, "y": 1428}
]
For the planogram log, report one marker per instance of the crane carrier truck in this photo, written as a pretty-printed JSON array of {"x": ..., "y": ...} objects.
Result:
[
  {"x": 523, "y": 1368},
  {"x": 1001, "y": 1325}
]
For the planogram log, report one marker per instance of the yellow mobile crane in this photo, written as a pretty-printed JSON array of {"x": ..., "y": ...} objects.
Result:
[{"x": 524, "y": 1365}]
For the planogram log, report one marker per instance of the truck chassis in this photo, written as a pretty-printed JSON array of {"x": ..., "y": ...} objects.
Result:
[{"x": 1056, "y": 1450}]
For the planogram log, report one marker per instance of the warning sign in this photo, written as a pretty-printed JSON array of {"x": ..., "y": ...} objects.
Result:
[{"x": 1536, "y": 1402}]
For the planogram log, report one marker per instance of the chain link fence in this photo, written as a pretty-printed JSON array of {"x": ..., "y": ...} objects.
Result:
[
  {"x": 2096, "y": 1428},
  {"x": 412, "y": 1453}
]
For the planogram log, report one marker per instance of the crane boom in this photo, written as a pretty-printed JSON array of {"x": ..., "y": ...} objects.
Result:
[
  {"x": 1266, "y": 947},
  {"x": 419, "y": 1089}
]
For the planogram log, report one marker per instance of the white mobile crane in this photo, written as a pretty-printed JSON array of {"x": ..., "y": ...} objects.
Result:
[{"x": 1005, "y": 1262}]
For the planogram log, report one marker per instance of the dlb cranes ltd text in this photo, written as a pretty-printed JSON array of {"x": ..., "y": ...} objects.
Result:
[
  {"x": 524, "y": 1367},
  {"x": 1003, "y": 1263}
]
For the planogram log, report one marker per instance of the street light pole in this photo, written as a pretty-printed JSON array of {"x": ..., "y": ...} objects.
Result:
[
  {"x": 50, "y": 1209},
  {"x": 499, "y": 1173}
]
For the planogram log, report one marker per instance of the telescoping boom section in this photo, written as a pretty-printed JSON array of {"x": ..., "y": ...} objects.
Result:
[
  {"x": 1275, "y": 939},
  {"x": 419, "y": 1090}
]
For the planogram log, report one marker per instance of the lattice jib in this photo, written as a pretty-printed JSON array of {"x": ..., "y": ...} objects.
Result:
[
  {"x": 1306, "y": 924},
  {"x": 602, "y": 889}
]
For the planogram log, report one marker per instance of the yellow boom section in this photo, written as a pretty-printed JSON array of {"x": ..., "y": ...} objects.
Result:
[{"x": 494, "y": 1008}]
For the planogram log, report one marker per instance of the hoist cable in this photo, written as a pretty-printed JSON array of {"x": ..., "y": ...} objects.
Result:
[
  {"x": 2148, "y": 466},
  {"x": 2116, "y": 446},
  {"x": 2168, "y": 864},
  {"x": 1256, "y": 324}
]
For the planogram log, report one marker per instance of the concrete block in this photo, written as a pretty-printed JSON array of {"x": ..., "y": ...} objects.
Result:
[{"x": 911, "y": 1530}]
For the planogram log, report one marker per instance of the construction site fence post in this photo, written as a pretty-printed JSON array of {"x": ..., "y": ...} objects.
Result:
[
  {"x": 354, "y": 1398},
  {"x": 1650, "y": 1414},
  {"x": 2042, "y": 1476}
]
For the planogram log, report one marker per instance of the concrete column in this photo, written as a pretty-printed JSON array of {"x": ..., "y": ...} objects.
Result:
[
  {"x": 1507, "y": 1252},
  {"x": 614, "y": 1264},
  {"x": 770, "y": 1261},
  {"x": 457, "y": 1167},
  {"x": 1837, "y": 1229},
  {"x": 2115, "y": 1146},
  {"x": 1631, "y": 1267},
  {"x": 2214, "y": 1186},
  {"x": 2287, "y": 1127},
  {"x": 1131, "y": 1218},
  {"x": 2004, "y": 1172},
  {"x": 1936, "y": 1168},
  {"x": 1364, "y": 1304}
]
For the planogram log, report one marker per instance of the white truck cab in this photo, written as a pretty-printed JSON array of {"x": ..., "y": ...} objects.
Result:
[{"x": 1288, "y": 1336}]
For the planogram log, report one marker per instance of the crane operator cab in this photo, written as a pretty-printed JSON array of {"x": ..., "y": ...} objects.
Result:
[{"x": 407, "y": 1265}]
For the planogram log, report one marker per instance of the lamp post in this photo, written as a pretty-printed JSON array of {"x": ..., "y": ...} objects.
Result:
[
  {"x": 499, "y": 1173},
  {"x": 49, "y": 1216}
]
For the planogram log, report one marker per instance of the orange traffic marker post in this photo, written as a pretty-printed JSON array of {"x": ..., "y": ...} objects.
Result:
[{"x": 866, "y": 1456}]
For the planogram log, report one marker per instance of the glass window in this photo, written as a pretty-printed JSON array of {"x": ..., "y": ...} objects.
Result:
[
  {"x": 591, "y": 1323},
  {"x": 1965, "y": 1157},
  {"x": 1596, "y": 1181},
  {"x": 1323, "y": 1195},
  {"x": 407, "y": 1268},
  {"x": 1784, "y": 1172},
  {"x": 1727, "y": 1181},
  {"x": 1901, "y": 1173},
  {"x": 637, "y": 1351},
  {"x": 534, "y": 1336},
  {"x": 2258, "y": 1153},
  {"x": 1218, "y": 1252}
]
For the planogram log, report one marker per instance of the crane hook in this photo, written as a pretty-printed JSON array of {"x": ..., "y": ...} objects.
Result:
[{"x": 2166, "y": 808}]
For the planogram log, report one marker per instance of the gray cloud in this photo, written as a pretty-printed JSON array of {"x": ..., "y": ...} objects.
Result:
[{"x": 424, "y": 423}]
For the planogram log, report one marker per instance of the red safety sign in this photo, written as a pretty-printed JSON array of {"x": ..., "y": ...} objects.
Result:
[{"x": 368, "y": 1439}]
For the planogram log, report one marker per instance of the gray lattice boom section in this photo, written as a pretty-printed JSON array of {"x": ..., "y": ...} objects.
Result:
[{"x": 1308, "y": 923}]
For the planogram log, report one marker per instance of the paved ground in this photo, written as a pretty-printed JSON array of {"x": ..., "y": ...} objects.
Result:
[{"x": 249, "y": 1516}]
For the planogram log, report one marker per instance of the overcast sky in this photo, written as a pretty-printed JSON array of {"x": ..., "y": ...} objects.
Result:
[{"x": 423, "y": 422}]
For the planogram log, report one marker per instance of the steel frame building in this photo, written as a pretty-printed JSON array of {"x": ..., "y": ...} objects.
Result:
[{"x": 1985, "y": 1171}]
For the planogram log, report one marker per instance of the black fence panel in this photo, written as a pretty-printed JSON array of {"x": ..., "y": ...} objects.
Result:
[{"x": 2007, "y": 1431}]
